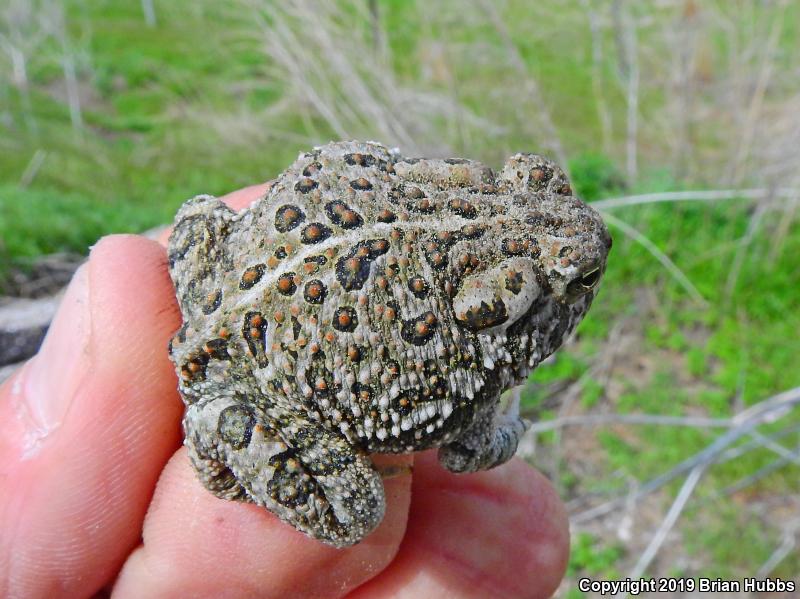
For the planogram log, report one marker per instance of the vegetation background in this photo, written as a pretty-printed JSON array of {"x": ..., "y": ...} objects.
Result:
[{"x": 670, "y": 424}]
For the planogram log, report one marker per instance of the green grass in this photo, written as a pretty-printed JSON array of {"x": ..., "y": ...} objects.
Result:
[
  {"x": 739, "y": 349},
  {"x": 140, "y": 156},
  {"x": 592, "y": 557},
  {"x": 179, "y": 109}
]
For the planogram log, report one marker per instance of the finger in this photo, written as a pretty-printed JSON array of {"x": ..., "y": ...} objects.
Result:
[
  {"x": 499, "y": 533},
  {"x": 197, "y": 545},
  {"x": 241, "y": 198},
  {"x": 88, "y": 424}
]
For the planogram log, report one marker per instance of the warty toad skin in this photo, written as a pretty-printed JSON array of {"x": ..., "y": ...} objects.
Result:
[{"x": 371, "y": 303}]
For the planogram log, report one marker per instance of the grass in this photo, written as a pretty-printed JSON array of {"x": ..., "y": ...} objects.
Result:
[
  {"x": 712, "y": 361},
  {"x": 201, "y": 104},
  {"x": 142, "y": 152}
]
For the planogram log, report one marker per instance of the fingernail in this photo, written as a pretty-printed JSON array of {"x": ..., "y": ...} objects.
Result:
[{"x": 49, "y": 382}]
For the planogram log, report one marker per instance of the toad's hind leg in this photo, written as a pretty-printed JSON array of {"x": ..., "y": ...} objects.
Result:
[
  {"x": 490, "y": 441},
  {"x": 309, "y": 477}
]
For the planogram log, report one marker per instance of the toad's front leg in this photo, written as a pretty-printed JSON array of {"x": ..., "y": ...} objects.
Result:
[
  {"x": 491, "y": 441},
  {"x": 308, "y": 476}
]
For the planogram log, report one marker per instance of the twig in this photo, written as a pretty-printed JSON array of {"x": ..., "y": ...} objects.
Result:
[
  {"x": 729, "y": 454},
  {"x": 58, "y": 28},
  {"x": 734, "y": 452},
  {"x": 777, "y": 448},
  {"x": 149, "y": 13},
  {"x": 649, "y": 419},
  {"x": 32, "y": 169},
  {"x": 603, "y": 113},
  {"x": 20, "y": 79},
  {"x": 757, "y": 99},
  {"x": 531, "y": 91},
  {"x": 71, "y": 80},
  {"x": 375, "y": 23},
  {"x": 784, "y": 226},
  {"x": 741, "y": 250},
  {"x": 713, "y": 195},
  {"x": 665, "y": 261},
  {"x": 669, "y": 521},
  {"x": 765, "y": 411},
  {"x": 751, "y": 479},
  {"x": 632, "y": 96},
  {"x": 684, "y": 48},
  {"x": 788, "y": 543}
]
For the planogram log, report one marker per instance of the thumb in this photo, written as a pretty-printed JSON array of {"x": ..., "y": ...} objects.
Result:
[{"x": 88, "y": 424}]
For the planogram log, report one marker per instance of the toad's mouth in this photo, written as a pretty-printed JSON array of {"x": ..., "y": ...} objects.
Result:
[{"x": 513, "y": 353}]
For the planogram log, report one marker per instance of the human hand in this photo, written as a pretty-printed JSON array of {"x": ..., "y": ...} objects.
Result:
[{"x": 97, "y": 494}]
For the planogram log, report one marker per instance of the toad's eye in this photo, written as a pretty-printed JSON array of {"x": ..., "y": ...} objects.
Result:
[
  {"x": 590, "y": 279},
  {"x": 584, "y": 283}
]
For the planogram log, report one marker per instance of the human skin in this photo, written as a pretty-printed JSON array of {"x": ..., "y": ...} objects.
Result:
[{"x": 98, "y": 495}]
